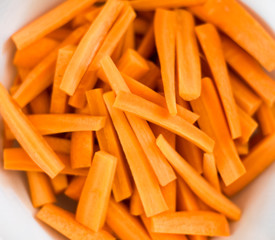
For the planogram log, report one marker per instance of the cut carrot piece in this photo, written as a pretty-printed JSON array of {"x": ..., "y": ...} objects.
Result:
[
  {"x": 212, "y": 121},
  {"x": 40, "y": 77},
  {"x": 232, "y": 18},
  {"x": 125, "y": 226},
  {"x": 136, "y": 105},
  {"x": 80, "y": 19},
  {"x": 28, "y": 136},
  {"x": 41, "y": 104},
  {"x": 211, "y": 45},
  {"x": 59, "y": 34},
  {"x": 108, "y": 141},
  {"x": 145, "y": 180},
  {"x": 75, "y": 187},
  {"x": 89, "y": 44},
  {"x": 188, "y": 60},
  {"x": 170, "y": 195},
  {"x": 93, "y": 203},
  {"x": 82, "y": 149},
  {"x": 129, "y": 39},
  {"x": 141, "y": 26},
  {"x": 33, "y": 54},
  {"x": 153, "y": 75},
  {"x": 65, "y": 223},
  {"x": 91, "y": 15},
  {"x": 59, "y": 98},
  {"x": 136, "y": 207},
  {"x": 49, "y": 22},
  {"x": 60, "y": 145},
  {"x": 17, "y": 159},
  {"x": 147, "y": 46},
  {"x": 266, "y": 119},
  {"x": 41, "y": 190},
  {"x": 250, "y": 70},
  {"x": 165, "y": 37},
  {"x": 198, "y": 184},
  {"x": 23, "y": 73},
  {"x": 59, "y": 183},
  {"x": 259, "y": 158},
  {"x": 244, "y": 96},
  {"x": 191, "y": 222},
  {"x": 242, "y": 148},
  {"x": 171, "y": 137},
  {"x": 210, "y": 170},
  {"x": 118, "y": 51}
]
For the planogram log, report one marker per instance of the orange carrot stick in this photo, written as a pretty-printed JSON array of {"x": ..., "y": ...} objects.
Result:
[
  {"x": 125, "y": 226},
  {"x": 108, "y": 141},
  {"x": 49, "y": 22},
  {"x": 75, "y": 187},
  {"x": 259, "y": 158},
  {"x": 60, "y": 145},
  {"x": 242, "y": 148},
  {"x": 157, "y": 130},
  {"x": 147, "y": 46},
  {"x": 266, "y": 119},
  {"x": 59, "y": 34},
  {"x": 41, "y": 104},
  {"x": 41, "y": 190},
  {"x": 212, "y": 121},
  {"x": 23, "y": 73},
  {"x": 118, "y": 51},
  {"x": 188, "y": 60},
  {"x": 141, "y": 25},
  {"x": 165, "y": 37},
  {"x": 28, "y": 136},
  {"x": 129, "y": 41},
  {"x": 65, "y": 223},
  {"x": 91, "y": 15},
  {"x": 198, "y": 184},
  {"x": 136, "y": 207},
  {"x": 210, "y": 170},
  {"x": 136, "y": 105},
  {"x": 250, "y": 70},
  {"x": 82, "y": 149},
  {"x": 89, "y": 44},
  {"x": 153, "y": 75},
  {"x": 232, "y": 18},
  {"x": 59, "y": 183},
  {"x": 147, "y": 184},
  {"x": 211, "y": 45},
  {"x": 192, "y": 222},
  {"x": 80, "y": 19},
  {"x": 170, "y": 195}
]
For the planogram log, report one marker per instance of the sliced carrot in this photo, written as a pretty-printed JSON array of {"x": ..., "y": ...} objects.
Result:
[
  {"x": 129, "y": 39},
  {"x": 89, "y": 44},
  {"x": 212, "y": 121},
  {"x": 141, "y": 25},
  {"x": 40, "y": 77},
  {"x": 211, "y": 45},
  {"x": 266, "y": 119},
  {"x": 244, "y": 96},
  {"x": 191, "y": 222},
  {"x": 136, "y": 207},
  {"x": 59, "y": 183},
  {"x": 242, "y": 148},
  {"x": 33, "y": 54},
  {"x": 23, "y": 73},
  {"x": 125, "y": 226},
  {"x": 188, "y": 60},
  {"x": 165, "y": 37},
  {"x": 118, "y": 51},
  {"x": 41, "y": 190},
  {"x": 108, "y": 141},
  {"x": 145, "y": 180},
  {"x": 170, "y": 195},
  {"x": 153, "y": 75},
  {"x": 65, "y": 223},
  {"x": 80, "y": 19},
  {"x": 250, "y": 70},
  {"x": 41, "y": 103},
  {"x": 210, "y": 170},
  {"x": 75, "y": 187},
  {"x": 258, "y": 159},
  {"x": 28, "y": 136},
  {"x": 147, "y": 46},
  {"x": 60, "y": 145},
  {"x": 60, "y": 33},
  {"x": 136, "y": 105},
  {"x": 49, "y": 22},
  {"x": 232, "y": 18},
  {"x": 91, "y": 15},
  {"x": 82, "y": 149},
  {"x": 198, "y": 184},
  {"x": 157, "y": 130}
]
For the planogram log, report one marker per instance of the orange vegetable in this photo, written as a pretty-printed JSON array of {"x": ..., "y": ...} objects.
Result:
[
  {"x": 266, "y": 119},
  {"x": 242, "y": 148},
  {"x": 157, "y": 130},
  {"x": 141, "y": 25},
  {"x": 59, "y": 34},
  {"x": 75, "y": 187},
  {"x": 152, "y": 77},
  {"x": 136, "y": 207},
  {"x": 147, "y": 45},
  {"x": 60, "y": 145},
  {"x": 41, "y": 104},
  {"x": 59, "y": 183},
  {"x": 129, "y": 41},
  {"x": 210, "y": 170},
  {"x": 169, "y": 192}
]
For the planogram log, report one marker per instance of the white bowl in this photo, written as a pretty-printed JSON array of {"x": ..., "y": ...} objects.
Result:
[{"x": 17, "y": 220}]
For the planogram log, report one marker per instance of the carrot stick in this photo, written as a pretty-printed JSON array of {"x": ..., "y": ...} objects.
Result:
[
  {"x": 91, "y": 15},
  {"x": 188, "y": 60},
  {"x": 145, "y": 180},
  {"x": 153, "y": 75},
  {"x": 75, "y": 187},
  {"x": 148, "y": 5},
  {"x": 141, "y": 26},
  {"x": 204, "y": 223},
  {"x": 49, "y": 22},
  {"x": 244, "y": 96},
  {"x": 93, "y": 203},
  {"x": 170, "y": 195},
  {"x": 266, "y": 119},
  {"x": 80, "y": 19},
  {"x": 82, "y": 144},
  {"x": 41, "y": 103},
  {"x": 165, "y": 37},
  {"x": 232, "y": 18},
  {"x": 59, "y": 98},
  {"x": 242, "y": 148},
  {"x": 198, "y": 184},
  {"x": 136, "y": 105},
  {"x": 41, "y": 190},
  {"x": 171, "y": 137},
  {"x": 89, "y": 44},
  {"x": 212, "y": 121},
  {"x": 23, "y": 73},
  {"x": 33, "y": 54},
  {"x": 210, "y": 170},
  {"x": 17, "y": 159},
  {"x": 40, "y": 77},
  {"x": 28, "y": 136},
  {"x": 59, "y": 183},
  {"x": 60, "y": 145},
  {"x": 129, "y": 39},
  {"x": 147, "y": 46},
  {"x": 108, "y": 141},
  {"x": 125, "y": 226},
  {"x": 250, "y": 70},
  {"x": 258, "y": 159},
  {"x": 211, "y": 45},
  {"x": 118, "y": 51},
  {"x": 136, "y": 207},
  {"x": 59, "y": 34},
  {"x": 65, "y": 223}
]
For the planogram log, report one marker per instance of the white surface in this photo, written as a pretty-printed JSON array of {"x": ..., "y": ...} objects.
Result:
[{"x": 16, "y": 212}]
